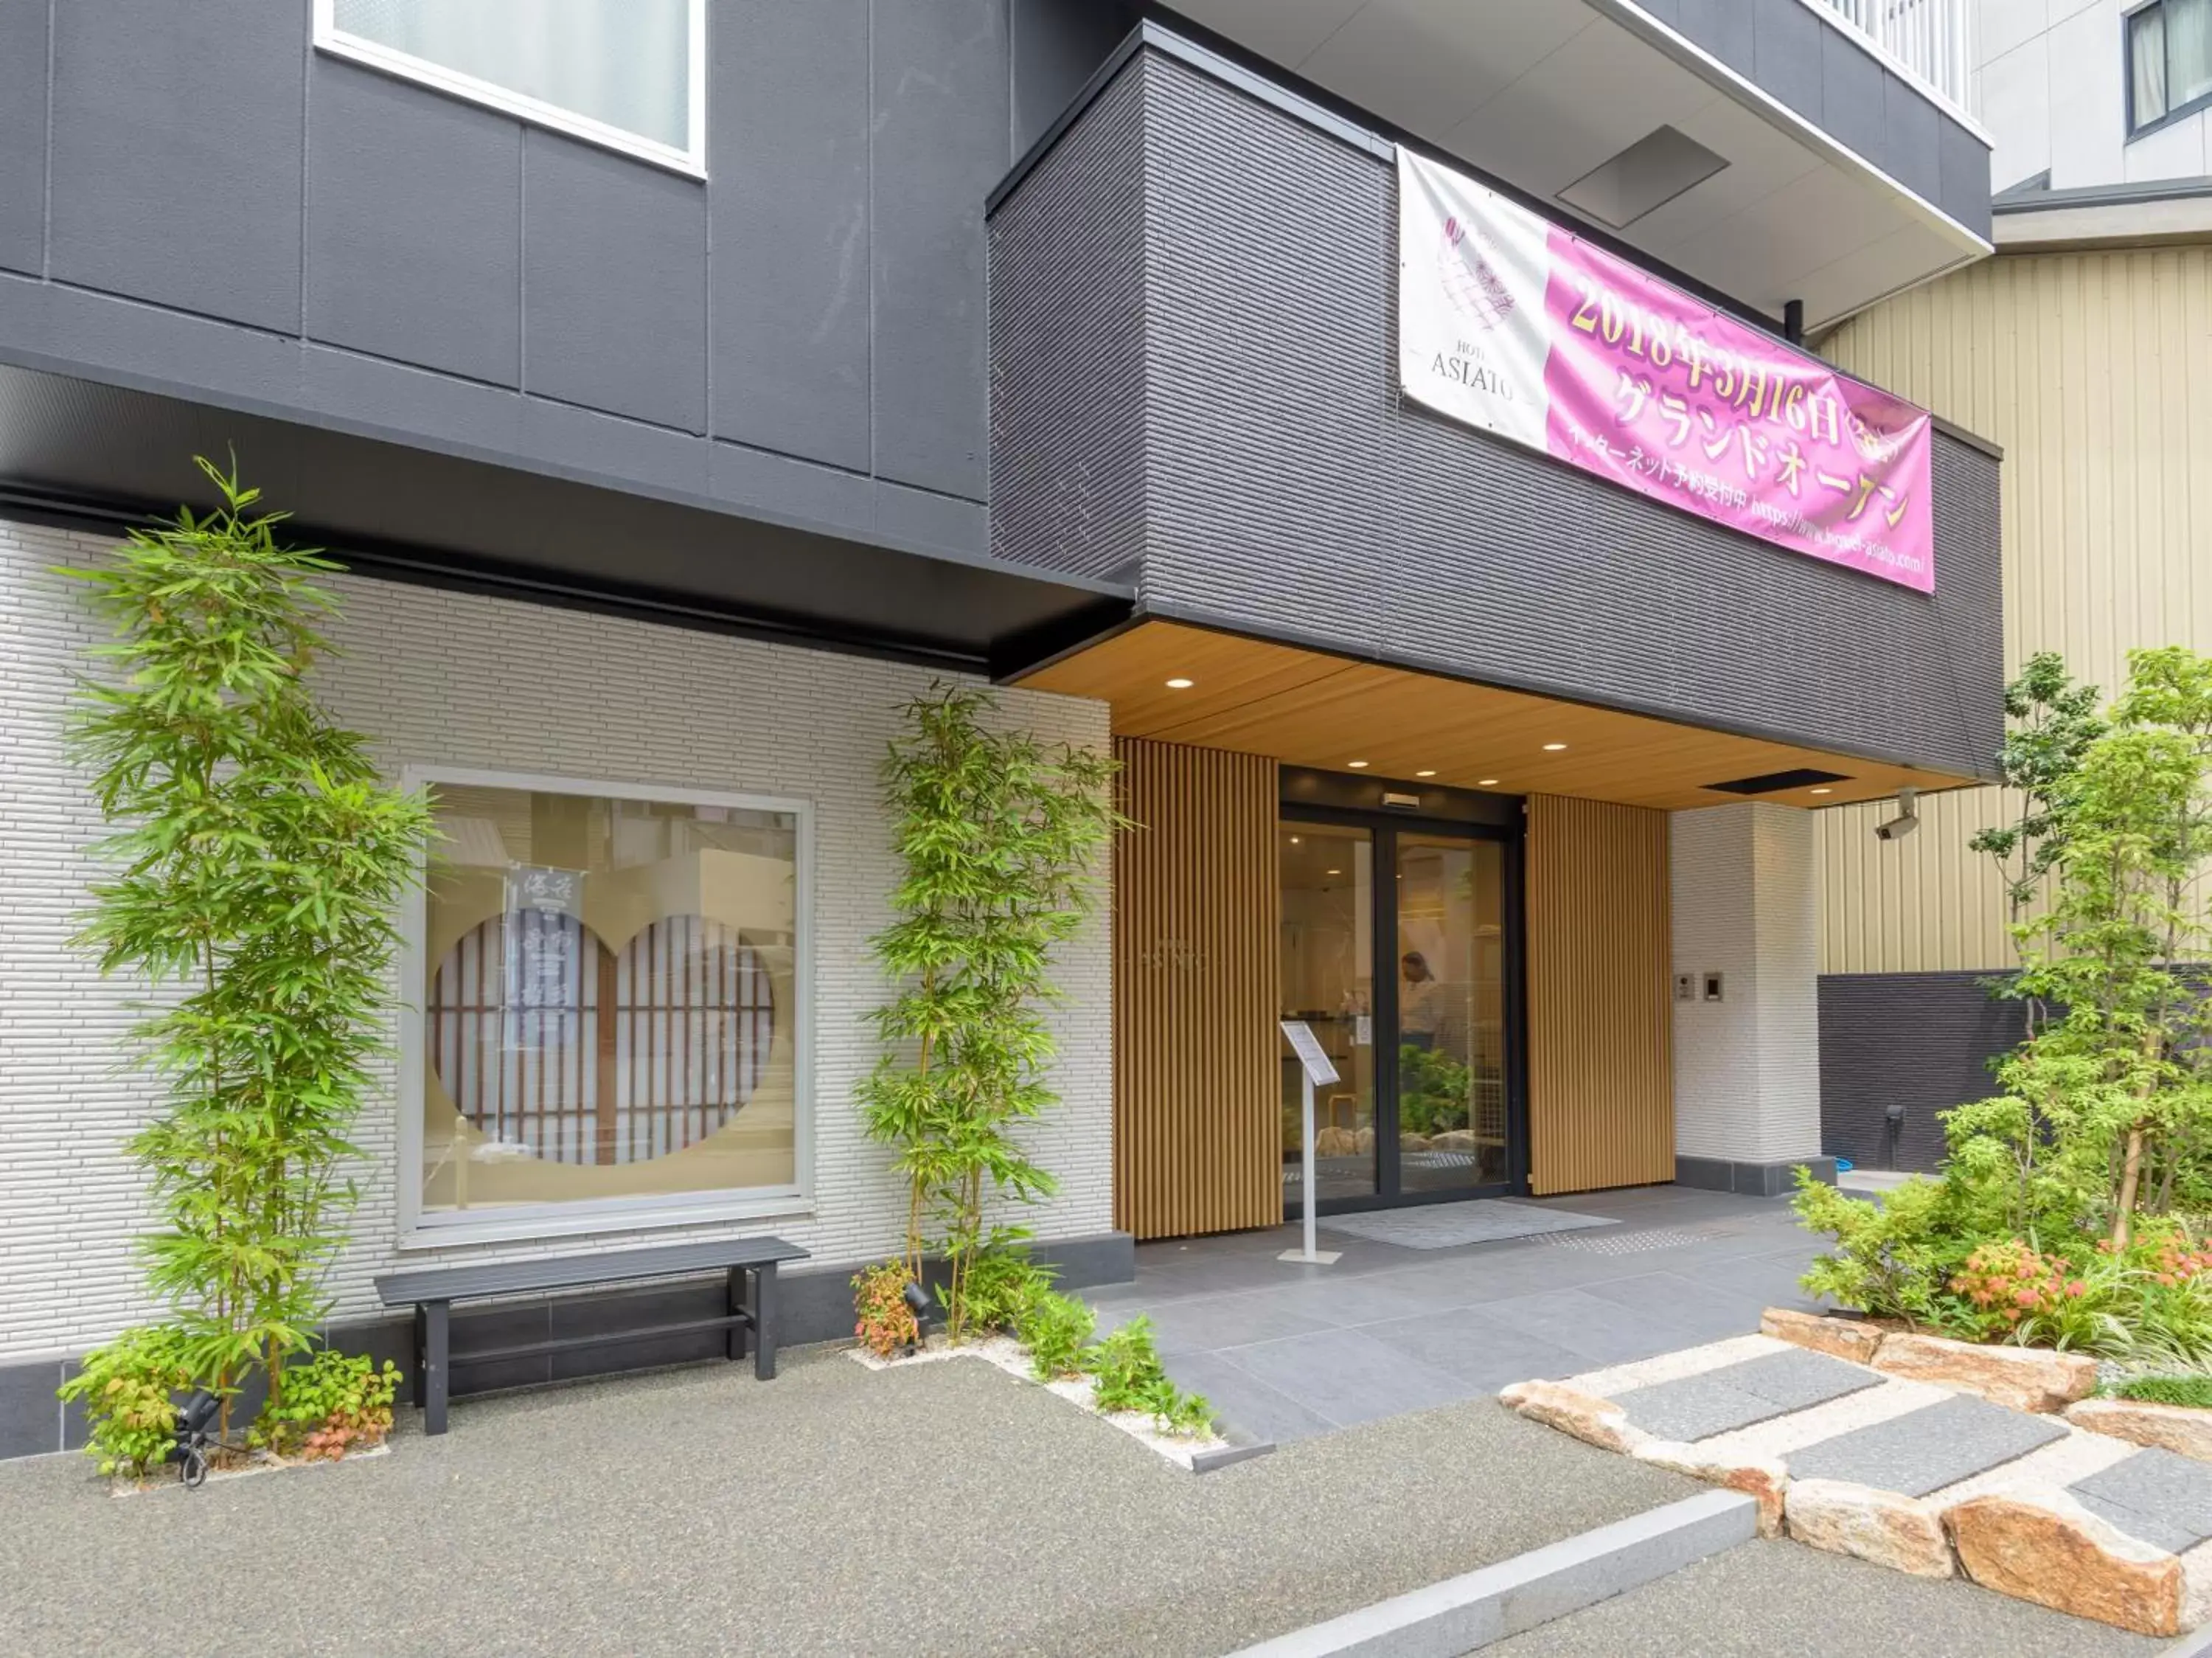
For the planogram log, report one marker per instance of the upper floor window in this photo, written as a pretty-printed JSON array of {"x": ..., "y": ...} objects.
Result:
[
  {"x": 2169, "y": 61},
  {"x": 629, "y": 74}
]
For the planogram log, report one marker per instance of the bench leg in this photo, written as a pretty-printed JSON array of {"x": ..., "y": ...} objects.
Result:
[
  {"x": 736, "y": 1304},
  {"x": 433, "y": 1367},
  {"x": 421, "y": 1393},
  {"x": 763, "y": 1310}
]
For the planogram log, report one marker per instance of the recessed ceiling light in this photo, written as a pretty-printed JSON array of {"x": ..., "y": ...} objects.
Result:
[
  {"x": 1357, "y": 765},
  {"x": 1333, "y": 872},
  {"x": 1430, "y": 772},
  {"x": 1484, "y": 782},
  {"x": 1295, "y": 841},
  {"x": 1179, "y": 685},
  {"x": 1824, "y": 791},
  {"x": 1553, "y": 747}
]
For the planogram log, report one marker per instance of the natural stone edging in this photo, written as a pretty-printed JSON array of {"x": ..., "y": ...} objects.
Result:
[
  {"x": 2177, "y": 1427},
  {"x": 2020, "y": 1378},
  {"x": 1843, "y": 1338},
  {"x": 1884, "y": 1528},
  {"x": 2057, "y": 1554},
  {"x": 1593, "y": 1420},
  {"x": 1764, "y": 1482}
]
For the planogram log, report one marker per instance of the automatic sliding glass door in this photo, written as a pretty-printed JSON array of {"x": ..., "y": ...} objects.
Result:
[{"x": 1409, "y": 983}]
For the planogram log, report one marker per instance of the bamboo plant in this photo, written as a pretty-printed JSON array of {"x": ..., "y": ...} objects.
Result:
[
  {"x": 998, "y": 833},
  {"x": 254, "y": 864}
]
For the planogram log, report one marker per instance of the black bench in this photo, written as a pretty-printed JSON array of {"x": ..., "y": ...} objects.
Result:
[{"x": 433, "y": 1292}]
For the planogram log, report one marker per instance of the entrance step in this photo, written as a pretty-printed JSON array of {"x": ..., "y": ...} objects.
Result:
[{"x": 1466, "y": 1613}]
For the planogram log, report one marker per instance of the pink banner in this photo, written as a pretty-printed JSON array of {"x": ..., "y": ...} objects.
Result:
[
  {"x": 1512, "y": 325},
  {"x": 1657, "y": 393}
]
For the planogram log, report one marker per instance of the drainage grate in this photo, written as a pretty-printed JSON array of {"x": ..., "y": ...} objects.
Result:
[{"x": 1629, "y": 1243}]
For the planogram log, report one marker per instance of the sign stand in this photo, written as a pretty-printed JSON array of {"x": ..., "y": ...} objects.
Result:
[{"x": 1315, "y": 1067}]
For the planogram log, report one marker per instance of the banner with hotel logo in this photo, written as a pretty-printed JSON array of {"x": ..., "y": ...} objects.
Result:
[{"x": 1511, "y": 324}]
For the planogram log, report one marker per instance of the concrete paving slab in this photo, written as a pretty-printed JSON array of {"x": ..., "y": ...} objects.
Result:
[
  {"x": 1737, "y": 1395},
  {"x": 1769, "y": 1600},
  {"x": 1926, "y": 1449},
  {"x": 1349, "y": 1377},
  {"x": 2155, "y": 1495}
]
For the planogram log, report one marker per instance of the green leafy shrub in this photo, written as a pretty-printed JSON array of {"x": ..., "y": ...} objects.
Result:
[
  {"x": 1055, "y": 1328},
  {"x": 1892, "y": 1259},
  {"x": 1435, "y": 1091},
  {"x": 1126, "y": 1375},
  {"x": 1000, "y": 1286},
  {"x": 884, "y": 1323},
  {"x": 2196, "y": 1391},
  {"x": 330, "y": 1404},
  {"x": 128, "y": 1390}
]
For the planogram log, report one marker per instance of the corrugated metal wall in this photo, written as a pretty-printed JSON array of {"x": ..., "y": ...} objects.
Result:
[
  {"x": 2094, "y": 369},
  {"x": 1601, "y": 1067},
  {"x": 1198, "y": 1140}
]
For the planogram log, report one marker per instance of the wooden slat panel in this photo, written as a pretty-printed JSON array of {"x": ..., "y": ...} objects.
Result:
[
  {"x": 1197, "y": 1135},
  {"x": 1600, "y": 1062}
]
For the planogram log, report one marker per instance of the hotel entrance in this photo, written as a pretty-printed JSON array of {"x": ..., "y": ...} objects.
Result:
[{"x": 1400, "y": 947}]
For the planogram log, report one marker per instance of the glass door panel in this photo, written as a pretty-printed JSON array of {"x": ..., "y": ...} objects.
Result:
[
  {"x": 1451, "y": 1046},
  {"x": 1329, "y": 980}
]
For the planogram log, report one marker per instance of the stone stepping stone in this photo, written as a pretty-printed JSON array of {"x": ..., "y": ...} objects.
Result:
[
  {"x": 1925, "y": 1450},
  {"x": 1734, "y": 1396},
  {"x": 2160, "y": 1498}
]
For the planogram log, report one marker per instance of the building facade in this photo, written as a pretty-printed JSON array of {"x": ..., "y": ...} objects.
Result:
[
  {"x": 682, "y": 407},
  {"x": 2082, "y": 347}
]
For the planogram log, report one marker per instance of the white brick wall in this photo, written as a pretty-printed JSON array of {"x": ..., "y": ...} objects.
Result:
[
  {"x": 439, "y": 678},
  {"x": 1746, "y": 1069}
]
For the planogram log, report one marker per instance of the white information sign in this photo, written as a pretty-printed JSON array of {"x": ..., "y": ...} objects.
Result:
[{"x": 1307, "y": 1047}]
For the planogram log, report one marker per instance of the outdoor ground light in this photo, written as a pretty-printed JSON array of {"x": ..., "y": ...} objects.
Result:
[
  {"x": 190, "y": 1453},
  {"x": 917, "y": 1298}
]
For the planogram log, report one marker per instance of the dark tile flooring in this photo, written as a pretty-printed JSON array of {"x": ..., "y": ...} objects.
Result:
[{"x": 1286, "y": 1351}]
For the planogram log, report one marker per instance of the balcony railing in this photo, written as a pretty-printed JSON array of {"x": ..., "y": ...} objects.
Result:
[{"x": 1928, "y": 40}]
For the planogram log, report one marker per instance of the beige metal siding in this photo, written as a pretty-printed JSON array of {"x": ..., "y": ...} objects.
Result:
[
  {"x": 2093, "y": 370},
  {"x": 1601, "y": 1068}
]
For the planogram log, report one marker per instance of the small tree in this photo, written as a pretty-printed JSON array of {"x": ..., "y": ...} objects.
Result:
[
  {"x": 2107, "y": 1106},
  {"x": 257, "y": 864},
  {"x": 998, "y": 833}
]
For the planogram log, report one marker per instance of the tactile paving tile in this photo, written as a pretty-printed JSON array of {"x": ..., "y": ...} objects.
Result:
[
  {"x": 1926, "y": 1449},
  {"x": 1737, "y": 1395},
  {"x": 2157, "y": 1496}
]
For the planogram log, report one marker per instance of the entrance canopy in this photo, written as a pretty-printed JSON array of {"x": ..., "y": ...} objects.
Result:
[{"x": 1305, "y": 707}]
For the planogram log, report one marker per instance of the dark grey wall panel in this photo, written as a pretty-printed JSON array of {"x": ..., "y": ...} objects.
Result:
[
  {"x": 1056, "y": 46},
  {"x": 1067, "y": 449},
  {"x": 614, "y": 284},
  {"x": 1279, "y": 484},
  {"x": 176, "y": 153},
  {"x": 1920, "y": 1040},
  {"x": 942, "y": 141},
  {"x": 428, "y": 276},
  {"x": 788, "y": 155},
  {"x": 1851, "y": 109},
  {"x": 1962, "y": 163},
  {"x": 1910, "y": 122},
  {"x": 1787, "y": 57},
  {"x": 1726, "y": 28},
  {"x": 22, "y": 134}
]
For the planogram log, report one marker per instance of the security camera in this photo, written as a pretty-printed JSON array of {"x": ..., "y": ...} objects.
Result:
[{"x": 1906, "y": 820}]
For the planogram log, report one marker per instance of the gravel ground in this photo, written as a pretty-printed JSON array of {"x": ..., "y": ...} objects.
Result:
[
  {"x": 1767, "y": 1598},
  {"x": 943, "y": 1509}
]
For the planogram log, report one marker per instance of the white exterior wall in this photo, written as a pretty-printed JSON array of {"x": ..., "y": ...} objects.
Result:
[
  {"x": 1747, "y": 1068},
  {"x": 444, "y": 679},
  {"x": 2052, "y": 88}
]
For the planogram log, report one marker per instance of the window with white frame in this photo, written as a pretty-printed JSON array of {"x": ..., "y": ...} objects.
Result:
[
  {"x": 609, "y": 992},
  {"x": 2169, "y": 61},
  {"x": 627, "y": 73}
]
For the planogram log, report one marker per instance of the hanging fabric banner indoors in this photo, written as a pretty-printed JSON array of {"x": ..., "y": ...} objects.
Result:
[{"x": 1511, "y": 324}]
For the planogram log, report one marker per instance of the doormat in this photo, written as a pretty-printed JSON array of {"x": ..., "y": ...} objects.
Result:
[{"x": 1447, "y": 1226}]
